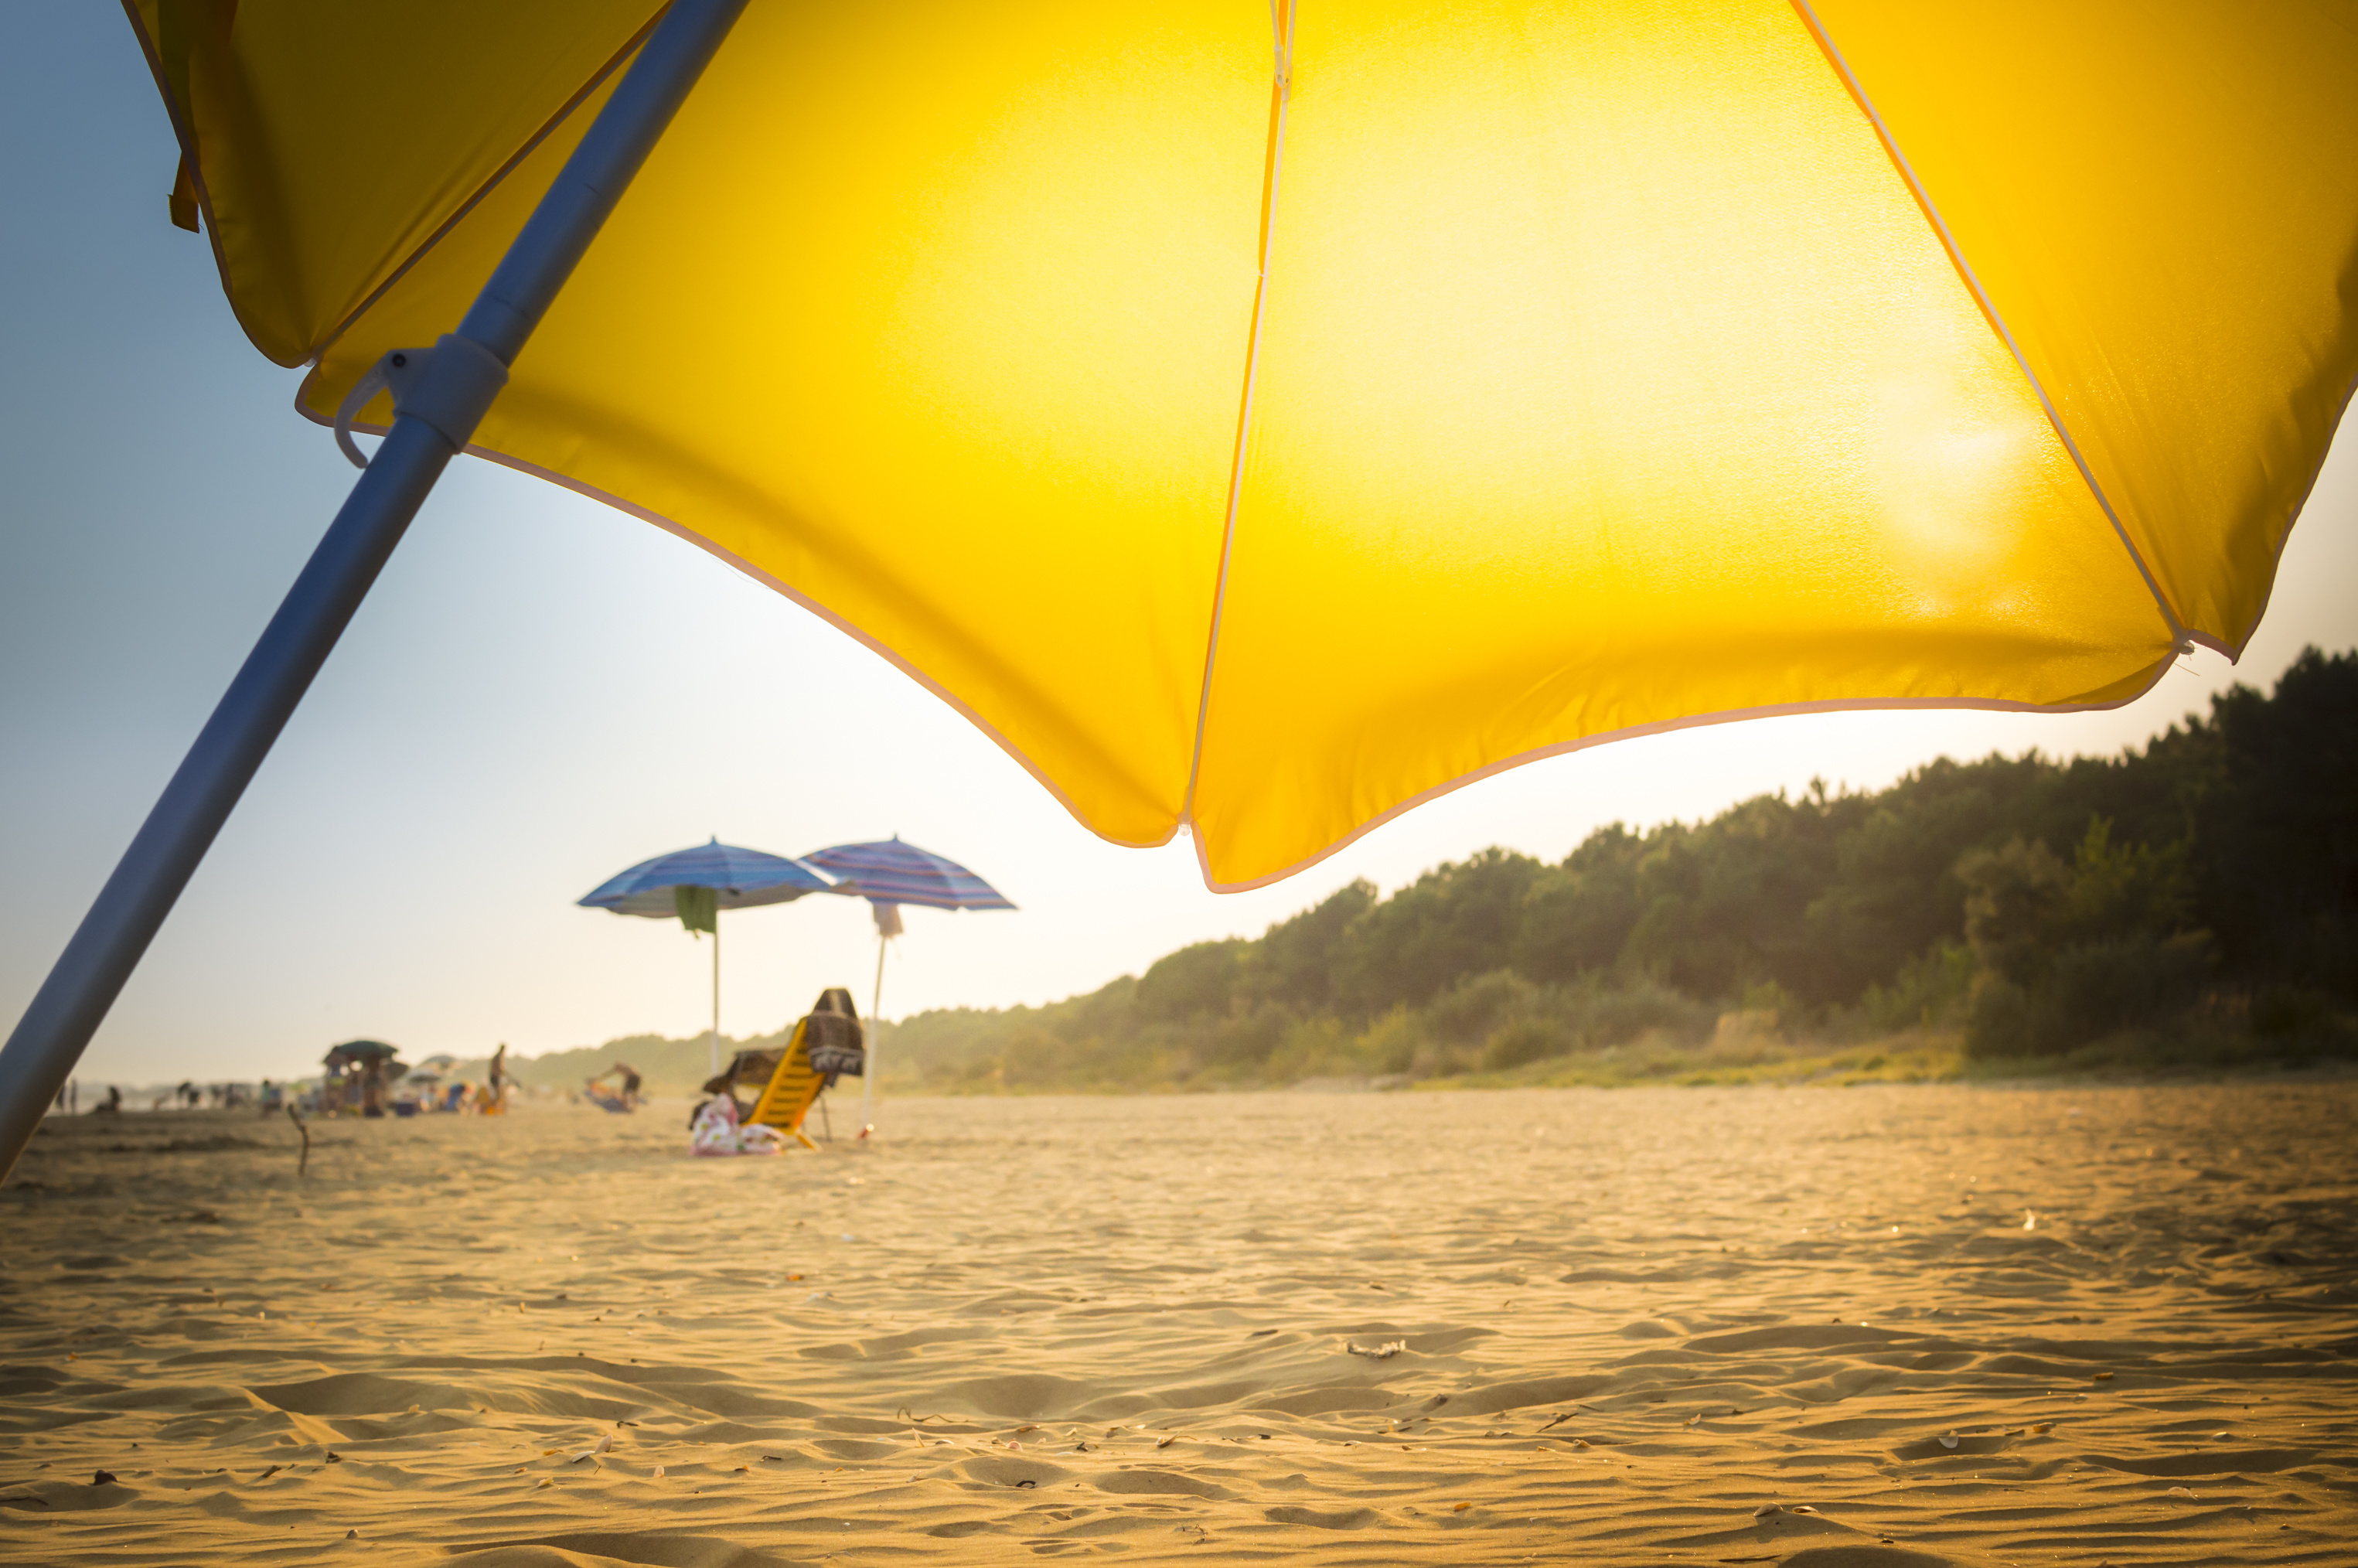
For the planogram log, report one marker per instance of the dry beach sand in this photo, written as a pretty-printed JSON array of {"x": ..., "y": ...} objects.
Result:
[{"x": 1887, "y": 1325}]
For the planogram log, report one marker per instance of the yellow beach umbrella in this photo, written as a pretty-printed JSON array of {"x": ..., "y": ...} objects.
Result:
[
  {"x": 1260, "y": 431},
  {"x": 1258, "y": 420}
]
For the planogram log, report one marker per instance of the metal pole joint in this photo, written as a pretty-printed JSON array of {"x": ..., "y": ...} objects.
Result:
[{"x": 450, "y": 386}]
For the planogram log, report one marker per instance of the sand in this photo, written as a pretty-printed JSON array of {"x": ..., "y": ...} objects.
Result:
[{"x": 1886, "y": 1325}]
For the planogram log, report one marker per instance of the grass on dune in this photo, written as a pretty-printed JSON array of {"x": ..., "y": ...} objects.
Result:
[
  {"x": 1914, "y": 1057},
  {"x": 1902, "y": 1059}
]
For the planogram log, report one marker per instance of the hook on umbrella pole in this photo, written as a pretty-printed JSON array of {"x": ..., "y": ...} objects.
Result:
[{"x": 88, "y": 976}]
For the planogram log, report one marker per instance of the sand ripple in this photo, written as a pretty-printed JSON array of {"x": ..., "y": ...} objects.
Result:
[{"x": 1882, "y": 1327}]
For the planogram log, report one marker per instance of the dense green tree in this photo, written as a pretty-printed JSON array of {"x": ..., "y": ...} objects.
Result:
[
  {"x": 2051, "y": 900},
  {"x": 2277, "y": 826},
  {"x": 2071, "y": 954},
  {"x": 1894, "y": 892},
  {"x": 1454, "y": 920},
  {"x": 1295, "y": 962},
  {"x": 1576, "y": 917},
  {"x": 1194, "y": 982}
]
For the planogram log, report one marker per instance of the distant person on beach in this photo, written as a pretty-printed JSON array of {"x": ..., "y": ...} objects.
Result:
[
  {"x": 626, "y": 1098},
  {"x": 112, "y": 1106}
]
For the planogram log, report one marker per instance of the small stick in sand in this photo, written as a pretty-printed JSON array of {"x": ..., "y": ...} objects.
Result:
[{"x": 296, "y": 1117}]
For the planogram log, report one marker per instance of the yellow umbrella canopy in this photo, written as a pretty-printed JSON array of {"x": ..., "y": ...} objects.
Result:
[{"x": 1263, "y": 422}]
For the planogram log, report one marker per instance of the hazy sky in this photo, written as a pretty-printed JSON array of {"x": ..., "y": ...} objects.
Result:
[{"x": 541, "y": 691}]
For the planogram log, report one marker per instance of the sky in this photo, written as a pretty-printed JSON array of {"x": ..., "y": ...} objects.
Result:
[{"x": 541, "y": 691}]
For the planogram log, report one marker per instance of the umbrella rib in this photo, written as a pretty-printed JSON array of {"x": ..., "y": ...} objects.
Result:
[
  {"x": 2179, "y": 634},
  {"x": 498, "y": 177},
  {"x": 1281, "y": 18}
]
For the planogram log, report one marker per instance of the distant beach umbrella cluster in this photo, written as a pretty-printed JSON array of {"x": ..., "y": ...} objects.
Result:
[{"x": 696, "y": 884}]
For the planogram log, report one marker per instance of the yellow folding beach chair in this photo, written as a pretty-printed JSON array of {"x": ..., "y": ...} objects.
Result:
[
  {"x": 796, "y": 1082},
  {"x": 793, "y": 1088}
]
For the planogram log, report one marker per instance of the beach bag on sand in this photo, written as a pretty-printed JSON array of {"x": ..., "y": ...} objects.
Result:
[{"x": 714, "y": 1131}]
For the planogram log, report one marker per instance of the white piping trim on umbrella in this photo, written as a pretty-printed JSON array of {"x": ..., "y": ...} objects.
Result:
[
  {"x": 1541, "y": 753},
  {"x": 2178, "y": 629},
  {"x": 874, "y": 644},
  {"x": 1282, "y": 90},
  {"x": 1664, "y": 727},
  {"x": 1281, "y": 24},
  {"x": 582, "y": 94}
]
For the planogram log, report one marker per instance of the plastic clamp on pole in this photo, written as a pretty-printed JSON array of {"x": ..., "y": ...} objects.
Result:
[{"x": 450, "y": 386}]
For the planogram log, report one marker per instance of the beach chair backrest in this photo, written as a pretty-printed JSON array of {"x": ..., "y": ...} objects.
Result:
[
  {"x": 834, "y": 1044},
  {"x": 793, "y": 1087}
]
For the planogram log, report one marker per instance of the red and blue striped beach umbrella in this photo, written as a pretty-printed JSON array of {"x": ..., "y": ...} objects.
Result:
[{"x": 890, "y": 873}]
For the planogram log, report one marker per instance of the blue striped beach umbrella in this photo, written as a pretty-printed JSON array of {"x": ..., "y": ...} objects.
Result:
[
  {"x": 696, "y": 885},
  {"x": 890, "y": 871},
  {"x": 889, "y": 874}
]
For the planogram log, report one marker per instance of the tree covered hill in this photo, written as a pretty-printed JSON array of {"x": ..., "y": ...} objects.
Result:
[
  {"x": 2209, "y": 880},
  {"x": 2205, "y": 887}
]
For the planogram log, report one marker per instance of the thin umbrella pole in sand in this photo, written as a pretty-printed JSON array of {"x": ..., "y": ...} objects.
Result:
[
  {"x": 875, "y": 1035},
  {"x": 889, "y": 874},
  {"x": 695, "y": 885},
  {"x": 441, "y": 395}
]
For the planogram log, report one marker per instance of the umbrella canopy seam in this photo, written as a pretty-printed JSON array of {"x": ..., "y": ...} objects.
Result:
[
  {"x": 170, "y": 87},
  {"x": 564, "y": 112},
  {"x": 2178, "y": 633},
  {"x": 1280, "y": 20}
]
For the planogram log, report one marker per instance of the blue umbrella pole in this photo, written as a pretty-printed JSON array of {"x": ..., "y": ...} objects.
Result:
[{"x": 457, "y": 384}]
